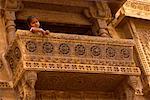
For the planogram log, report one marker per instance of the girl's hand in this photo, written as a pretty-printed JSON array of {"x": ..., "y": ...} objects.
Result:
[
  {"x": 42, "y": 31},
  {"x": 47, "y": 32}
]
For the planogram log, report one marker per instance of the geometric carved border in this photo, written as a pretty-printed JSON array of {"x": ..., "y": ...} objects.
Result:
[
  {"x": 4, "y": 85},
  {"x": 75, "y": 60},
  {"x": 29, "y": 65}
]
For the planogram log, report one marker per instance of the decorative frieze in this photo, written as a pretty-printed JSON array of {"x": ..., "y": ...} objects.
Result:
[
  {"x": 39, "y": 66},
  {"x": 76, "y": 49}
]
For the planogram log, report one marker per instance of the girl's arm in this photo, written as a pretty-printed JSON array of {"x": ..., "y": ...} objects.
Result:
[{"x": 35, "y": 29}]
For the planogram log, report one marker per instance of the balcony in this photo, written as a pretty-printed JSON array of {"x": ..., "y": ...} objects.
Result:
[{"x": 71, "y": 62}]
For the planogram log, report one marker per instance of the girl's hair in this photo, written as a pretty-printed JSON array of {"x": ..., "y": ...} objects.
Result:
[{"x": 29, "y": 19}]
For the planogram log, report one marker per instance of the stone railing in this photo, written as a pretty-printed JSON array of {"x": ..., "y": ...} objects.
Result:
[{"x": 71, "y": 53}]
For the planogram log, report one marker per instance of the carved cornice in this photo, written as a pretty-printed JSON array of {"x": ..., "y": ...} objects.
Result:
[{"x": 136, "y": 8}]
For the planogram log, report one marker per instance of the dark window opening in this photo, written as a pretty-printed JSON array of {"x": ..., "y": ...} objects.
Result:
[{"x": 58, "y": 27}]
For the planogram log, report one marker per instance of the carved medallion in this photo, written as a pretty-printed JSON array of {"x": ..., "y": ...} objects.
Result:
[
  {"x": 64, "y": 48},
  {"x": 79, "y": 49},
  {"x": 95, "y": 50},
  {"x": 110, "y": 52},
  {"x": 47, "y": 47},
  {"x": 125, "y": 53},
  {"x": 31, "y": 46},
  {"x": 17, "y": 53}
]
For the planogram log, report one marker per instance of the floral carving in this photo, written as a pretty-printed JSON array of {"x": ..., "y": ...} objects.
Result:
[
  {"x": 110, "y": 52},
  {"x": 80, "y": 49},
  {"x": 31, "y": 46},
  {"x": 64, "y": 48},
  {"x": 48, "y": 47},
  {"x": 95, "y": 50},
  {"x": 125, "y": 53}
]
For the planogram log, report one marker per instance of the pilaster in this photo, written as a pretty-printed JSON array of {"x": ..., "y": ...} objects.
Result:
[{"x": 10, "y": 7}]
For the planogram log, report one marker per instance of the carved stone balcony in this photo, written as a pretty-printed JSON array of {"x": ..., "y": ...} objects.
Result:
[{"x": 66, "y": 58}]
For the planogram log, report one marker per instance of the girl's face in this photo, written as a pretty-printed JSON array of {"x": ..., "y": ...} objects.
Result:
[{"x": 34, "y": 23}]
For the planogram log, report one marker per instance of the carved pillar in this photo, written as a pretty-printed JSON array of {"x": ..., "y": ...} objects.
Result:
[
  {"x": 99, "y": 15},
  {"x": 10, "y": 7},
  {"x": 134, "y": 89},
  {"x": 10, "y": 25},
  {"x": 102, "y": 29},
  {"x": 26, "y": 87}
]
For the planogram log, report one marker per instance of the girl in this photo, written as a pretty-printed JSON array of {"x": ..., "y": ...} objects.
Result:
[{"x": 34, "y": 25}]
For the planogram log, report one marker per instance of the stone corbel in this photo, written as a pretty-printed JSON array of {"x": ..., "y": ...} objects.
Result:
[
  {"x": 28, "y": 83},
  {"x": 135, "y": 85},
  {"x": 103, "y": 10}
]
